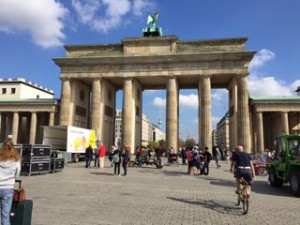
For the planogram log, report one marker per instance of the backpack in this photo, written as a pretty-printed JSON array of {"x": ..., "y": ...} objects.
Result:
[
  {"x": 116, "y": 158},
  {"x": 195, "y": 156}
]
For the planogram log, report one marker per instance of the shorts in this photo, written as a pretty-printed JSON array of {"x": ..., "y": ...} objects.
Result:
[
  {"x": 191, "y": 163},
  {"x": 246, "y": 173}
]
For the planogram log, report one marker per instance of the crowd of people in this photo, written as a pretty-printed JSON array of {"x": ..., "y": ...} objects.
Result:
[
  {"x": 116, "y": 156},
  {"x": 197, "y": 159}
]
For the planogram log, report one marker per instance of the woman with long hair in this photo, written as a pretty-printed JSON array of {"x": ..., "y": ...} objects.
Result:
[{"x": 10, "y": 168}]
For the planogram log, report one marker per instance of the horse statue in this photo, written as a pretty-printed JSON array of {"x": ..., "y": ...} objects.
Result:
[{"x": 152, "y": 30}]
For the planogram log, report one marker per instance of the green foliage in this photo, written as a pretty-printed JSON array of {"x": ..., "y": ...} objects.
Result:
[
  {"x": 162, "y": 143},
  {"x": 153, "y": 144},
  {"x": 189, "y": 143}
]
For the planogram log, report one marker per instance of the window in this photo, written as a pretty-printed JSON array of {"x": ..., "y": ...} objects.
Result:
[
  {"x": 3, "y": 90},
  {"x": 13, "y": 90}
]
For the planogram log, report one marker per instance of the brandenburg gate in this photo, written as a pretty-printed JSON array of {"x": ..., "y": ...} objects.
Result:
[{"x": 91, "y": 75}]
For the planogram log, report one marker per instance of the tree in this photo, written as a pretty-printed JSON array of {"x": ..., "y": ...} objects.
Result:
[
  {"x": 153, "y": 144},
  {"x": 181, "y": 143},
  {"x": 189, "y": 143},
  {"x": 162, "y": 143}
]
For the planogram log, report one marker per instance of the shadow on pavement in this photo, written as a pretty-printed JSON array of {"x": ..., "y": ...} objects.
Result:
[
  {"x": 218, "y": 206},
  {"x": 261, "y": 187}
]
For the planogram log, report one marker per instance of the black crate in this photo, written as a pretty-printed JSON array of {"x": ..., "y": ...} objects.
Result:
[
  {"x": 29, "y": 167},
  {"x": 57, "y": 164},
  {"x": 36, "y": 151}
]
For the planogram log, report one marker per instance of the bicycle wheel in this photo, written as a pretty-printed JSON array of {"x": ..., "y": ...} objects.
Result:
[
  {"x": 245, "y": 200},
  {"x": 238, "y": 196},
  {"x": 245, "y": 206}
]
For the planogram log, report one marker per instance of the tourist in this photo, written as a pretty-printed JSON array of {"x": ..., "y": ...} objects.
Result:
[
  {"x": 207, "y": 158},
  {"x": 216, "y": 155},
  {"x": 88, "y": 156},
  {"x": 117, "y": 161},
  {"x": 101, "y": 153},
  {"x": 10, "y": 168},
  {"x": 96, "y": 155},
  {"x": 126, "y": 159}
]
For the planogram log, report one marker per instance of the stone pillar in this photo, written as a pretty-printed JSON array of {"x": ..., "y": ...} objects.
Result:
[
  {"x": 204, "y": 113},
  {"x": 172, "y": 114},
  {"x": 15, "y": 127},
  {"x": 65, "y": 102},
  {"x": 285, "y": 122},
  {"x": 32, "y": 133},
  {"x": 51, "y": 118},
  {"x": 260, "y": 132},
  {"x": 244, "y": 137},
  {"x": 3, "y": 126},
  {"x": 96, "y": 106},
  {"x": 128, "y": 116}
]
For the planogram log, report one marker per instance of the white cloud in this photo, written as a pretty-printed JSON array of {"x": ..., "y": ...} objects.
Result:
[
  {"x": 104, "y": 15},
  {"x": 42, "y": 19},
  {"x": 219, "y": 95},
  {"x": 260, "y": 59},
  {"x": 295, "y": 85},
  {"x": 157, "y": 101},
  {"x": 259, "y": 85},
  {"x": 267, "y": 86},
  {"x": 140, "y": 5},
  {"x": 190, "y": 100}
]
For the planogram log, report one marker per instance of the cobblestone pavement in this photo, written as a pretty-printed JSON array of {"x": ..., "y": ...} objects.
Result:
[{"x": 148, "y": 195}]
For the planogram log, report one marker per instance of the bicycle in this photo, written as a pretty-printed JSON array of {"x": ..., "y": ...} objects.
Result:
[{"x": 243, "y": 194}]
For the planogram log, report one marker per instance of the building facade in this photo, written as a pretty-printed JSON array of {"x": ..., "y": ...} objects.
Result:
[
  {"x": 270, "y": 117},
  {"x": 24, "y": 108},
  {"x": 91, "y": 74}
]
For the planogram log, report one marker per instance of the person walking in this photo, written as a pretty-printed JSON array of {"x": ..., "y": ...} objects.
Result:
[
  {"x": 10, "y": 168},
  {"x": 183, "y": 156},
  {"x": 88, "y": 156},
  {"x": 110, "y": 154},
  {"x": 117, "y": 161},
  {"x": 216, "y": 155},
  {"x": 101, "y": 153},
  {"x": 96, "y": 155},
  {"x": 207, "y": 158},
  {"x": 126, "y": 159}
]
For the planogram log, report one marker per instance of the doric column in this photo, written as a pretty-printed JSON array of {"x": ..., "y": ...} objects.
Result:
[
  {"x": 65, "y": 102},
  {"x": 128, "y": 116},
  {"x": 285, "y": 122},
  {"x": 32, "y": 133},
  {"x": 172, "y": 114},
  {"x": 15, "y": 127},
  {"x": 96, "y": 106},
  {"x": 3, "y": 126},
  {"x": 260, "y": 132},
  {"x": 243, "y": 114},
  {"x": 51, "y": 118},
  {"x": 205, "y": 127}
]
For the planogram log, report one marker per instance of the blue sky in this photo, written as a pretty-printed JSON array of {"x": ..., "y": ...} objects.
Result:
[{"x": 33, "y": 32}]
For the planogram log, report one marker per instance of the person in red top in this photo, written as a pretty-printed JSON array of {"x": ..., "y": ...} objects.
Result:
[{"x": 101, "y": 154}]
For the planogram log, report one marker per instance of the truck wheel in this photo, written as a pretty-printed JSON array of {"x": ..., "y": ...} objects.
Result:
[
  {"x": 274, "y": 180},
  {"x": 76, "y": 158},
  {"x": 295, "y": 183}
]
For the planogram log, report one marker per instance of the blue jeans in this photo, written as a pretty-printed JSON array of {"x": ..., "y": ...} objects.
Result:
[{"x": 5, "y": 204}]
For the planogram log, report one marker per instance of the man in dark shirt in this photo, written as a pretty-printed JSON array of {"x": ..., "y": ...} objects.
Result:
[
  {"x": 243, "y": 166},
  {"x": 88, "y": 156}
]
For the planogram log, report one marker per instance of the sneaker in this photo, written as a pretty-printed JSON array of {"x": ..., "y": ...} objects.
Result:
[{"x": 119, "y": 175}]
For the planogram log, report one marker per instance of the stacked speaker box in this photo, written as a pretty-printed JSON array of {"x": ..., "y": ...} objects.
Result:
[
  {"x": 57, "y": 164},
  {"x": 35, "y": 159}
]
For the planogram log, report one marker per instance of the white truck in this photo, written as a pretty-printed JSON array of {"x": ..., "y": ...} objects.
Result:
[{"x": 69, "y": 140}]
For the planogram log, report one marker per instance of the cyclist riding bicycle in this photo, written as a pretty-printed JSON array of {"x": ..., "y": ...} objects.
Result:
[{"x": 243, "y": 167}]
